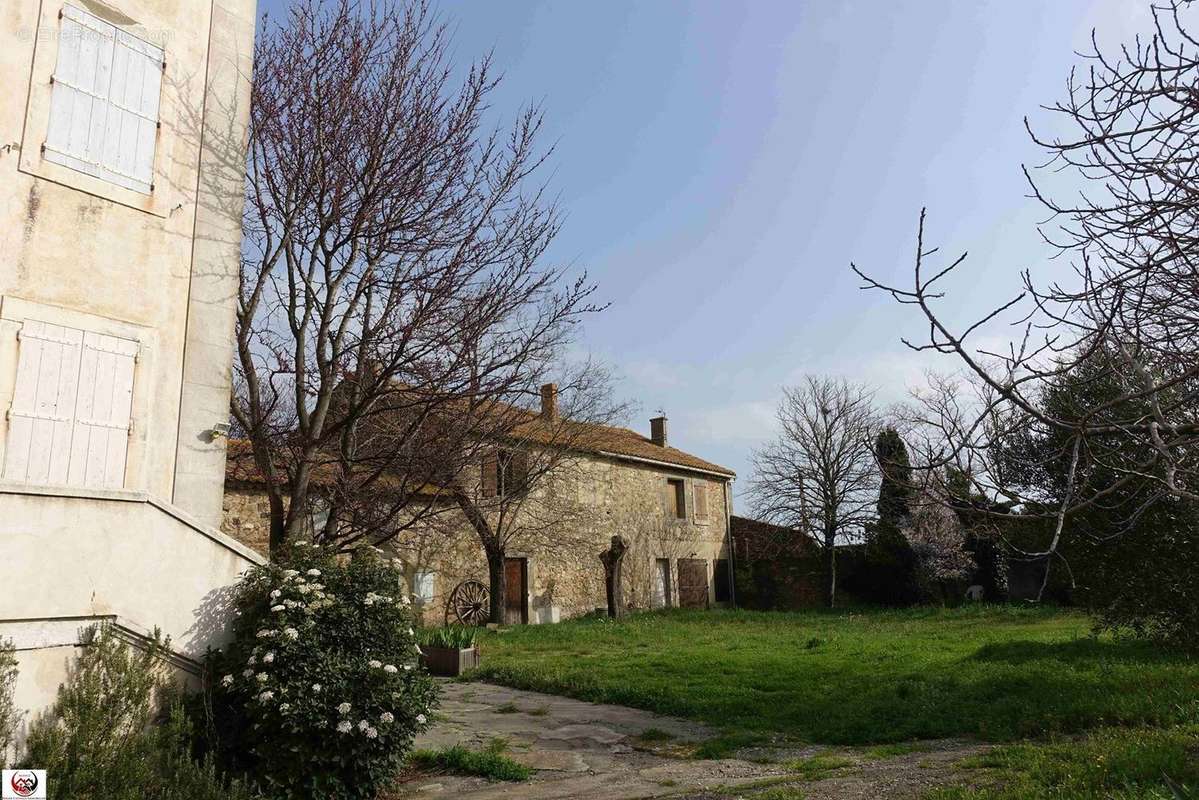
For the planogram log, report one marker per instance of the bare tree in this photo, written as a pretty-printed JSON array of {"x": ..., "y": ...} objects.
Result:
[
  {"x": 1126, "y": 317},
  {"x": 392, "y": 267},
  {"x": 525, "y": 489},
  {"x": 820, "y": 478}
]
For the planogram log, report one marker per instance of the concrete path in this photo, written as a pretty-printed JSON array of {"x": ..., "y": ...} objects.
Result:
[{"x": 579, "y": 750}]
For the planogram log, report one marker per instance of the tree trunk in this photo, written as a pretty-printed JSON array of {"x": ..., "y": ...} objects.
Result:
[
  {"x": 498, "y": 584},
  {"x": 612, "y": 559},
  {"x": 278, "y": 526},
  {"x": 830, "y": 571}
]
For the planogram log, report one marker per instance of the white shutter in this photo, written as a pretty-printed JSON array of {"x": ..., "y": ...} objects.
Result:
[
  {"x": 100, "y": 439},
  {"x": 104, "y": 107},
  {"x": 42, "y": 413},
  {"x": 425, "y": 582},
  {"x": 70, "y": 416},
  {"x": 133, "y": 126}
]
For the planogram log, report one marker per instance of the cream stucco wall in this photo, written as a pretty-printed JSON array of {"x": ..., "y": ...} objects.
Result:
[
  {"x": 77, "y": 558},
  {"x": 158, "y": 268}
]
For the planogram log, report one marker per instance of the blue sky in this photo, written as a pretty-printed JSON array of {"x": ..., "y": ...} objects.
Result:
[{"x": 722, "y": 162}]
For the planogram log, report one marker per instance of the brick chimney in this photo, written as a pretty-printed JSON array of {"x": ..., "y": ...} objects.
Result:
[
  {"x": 657, "y": 431},
  {"x": 549, "y": 400}
]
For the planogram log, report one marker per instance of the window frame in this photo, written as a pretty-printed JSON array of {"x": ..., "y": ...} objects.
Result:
[
  {"x": 15, "y": 311},
  {"x": 105, "y": 166},
  {"x": 72, "y": 446},
  {"x": 169, "y": 149},
  {"x": 508, "y": 480}
]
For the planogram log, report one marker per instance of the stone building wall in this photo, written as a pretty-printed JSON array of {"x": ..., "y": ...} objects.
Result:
[
  {"x": 561, "y": 530},
  {"x": 247, "y": 517}
]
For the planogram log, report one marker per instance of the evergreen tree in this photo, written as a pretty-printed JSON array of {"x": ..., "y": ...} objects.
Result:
[
  {"x": 895, "y": 490},
  {"x": 890, "y": 562}
]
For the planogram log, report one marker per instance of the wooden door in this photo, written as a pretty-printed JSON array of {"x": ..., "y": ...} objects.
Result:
[
  {"x": 516, "y": 591},
  {"x": 693, "y": 583}
]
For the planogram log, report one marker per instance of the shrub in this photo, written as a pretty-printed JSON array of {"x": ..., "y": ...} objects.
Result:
[
  {"x": 1146, "y": 581},
  {"x": 117, "y": 731},
  {"x": 453, "y": 637},
  {"x": 319, "y": 694},
  {"x": 889, "y": 575},
  {"x": 8, "y": 711}
]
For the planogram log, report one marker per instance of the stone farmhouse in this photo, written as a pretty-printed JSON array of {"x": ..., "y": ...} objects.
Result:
[
  {"x": 122, "y": 145},
  {"x": 671, "y": 507}
]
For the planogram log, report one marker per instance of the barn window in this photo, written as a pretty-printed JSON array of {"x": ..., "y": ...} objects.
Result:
[
  {"x": 676, "y": 498},
  {"x": 505, "y": 473},
  {"x": 104, "y": 104},
  {"x": 70, "y": 416}
]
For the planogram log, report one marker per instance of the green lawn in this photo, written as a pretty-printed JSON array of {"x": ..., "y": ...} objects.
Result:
[
  {"x": 1107, "y": 764},
  {"x": 858, "y": 677}
]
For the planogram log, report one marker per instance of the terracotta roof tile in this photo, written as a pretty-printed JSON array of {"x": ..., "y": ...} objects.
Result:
[{"x": 608, "y": 440}]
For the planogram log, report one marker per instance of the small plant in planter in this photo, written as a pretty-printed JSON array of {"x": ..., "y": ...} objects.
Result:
[{"x": 449, "y": 651}]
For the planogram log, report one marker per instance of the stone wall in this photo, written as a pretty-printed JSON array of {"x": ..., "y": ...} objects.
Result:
[
  {"x": 247, "y": 517},
  {"x": 562, "y": 528}
]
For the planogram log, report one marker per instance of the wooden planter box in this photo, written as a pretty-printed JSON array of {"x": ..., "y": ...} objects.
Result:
[{"x": 450, "y": 662}]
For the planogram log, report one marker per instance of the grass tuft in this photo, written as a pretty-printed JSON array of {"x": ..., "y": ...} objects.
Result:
[
  {"x": 490, "y": 763},
  {"x": 897, "y": 749},
  {"x": 780, "y": 793},
  {"x": 819, "y": 767},
  {"x": 1122, "y": 763},
  {"x": 655, "y": 735}
]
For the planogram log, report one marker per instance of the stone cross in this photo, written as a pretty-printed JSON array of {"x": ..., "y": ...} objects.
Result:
[{"x": 612, "y": 558}]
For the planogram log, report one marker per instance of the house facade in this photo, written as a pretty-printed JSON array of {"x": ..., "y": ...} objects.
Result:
[
  {"x": 672, "y": 509},
  {"x": 122, "y": 145}
]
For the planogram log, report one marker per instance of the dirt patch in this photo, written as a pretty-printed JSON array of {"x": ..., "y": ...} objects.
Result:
[
  {"x": 584, "y": 750},
  {"x": 904, "y": 773},
  {"x": 576, "y": 749}
]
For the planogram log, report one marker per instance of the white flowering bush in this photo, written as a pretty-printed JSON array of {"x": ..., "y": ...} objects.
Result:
[{"x": 320, "y": 693}]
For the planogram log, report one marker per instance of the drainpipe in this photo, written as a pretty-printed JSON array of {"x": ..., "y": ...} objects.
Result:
[{"x": 728, "y": 533}]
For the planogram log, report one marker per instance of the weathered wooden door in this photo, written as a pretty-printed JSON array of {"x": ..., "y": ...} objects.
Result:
[
  {"x": 516, "y": 591},
  {"x": 693, "y": 583}
]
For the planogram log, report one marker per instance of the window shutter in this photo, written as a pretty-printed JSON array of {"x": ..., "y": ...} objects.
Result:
[
  {"x": 133, "y": 117},
  {"x": 425, "y": 586},
  {"x": 39, "y": 431},
  {"x": 104, "y": 106},
  {"x": 701, "y": 499},
  {"x": 676, "y": 498},
  {"x": 491, "y": 468},
  {"x": 519, "y": 471},
  {"x": 100, "y": 439}
]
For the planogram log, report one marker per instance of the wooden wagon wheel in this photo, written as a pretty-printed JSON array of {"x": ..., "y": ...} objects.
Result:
[{"x": 468, "y": 604}]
